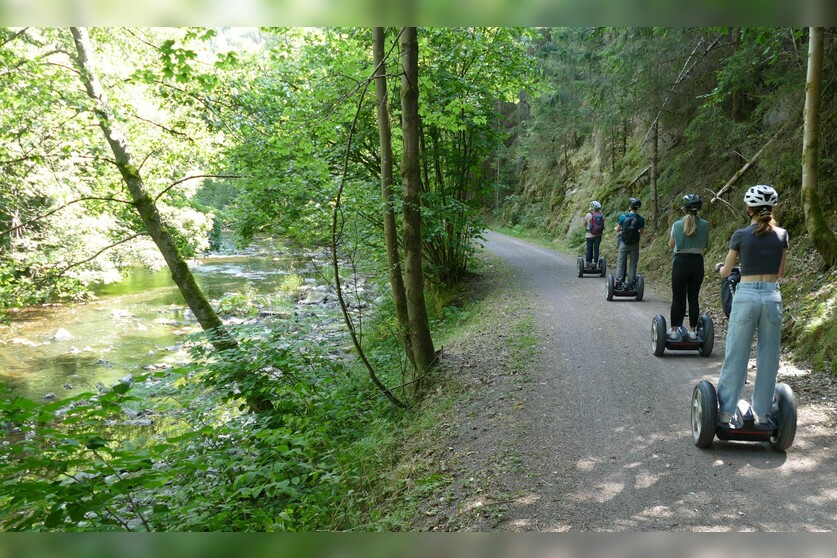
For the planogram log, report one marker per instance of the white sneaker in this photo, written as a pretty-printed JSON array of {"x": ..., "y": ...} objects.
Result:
[
  {"x": 692, "y": 335},
  {"x": 673, "y": 336}
]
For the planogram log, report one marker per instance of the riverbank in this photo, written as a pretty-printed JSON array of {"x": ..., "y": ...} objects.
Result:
[{"x": 141, "y": 324}]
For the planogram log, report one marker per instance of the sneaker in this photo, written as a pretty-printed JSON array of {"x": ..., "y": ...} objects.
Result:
[
  {"x": 692, "y": 335},
  {"x": 673, "y": 336}
]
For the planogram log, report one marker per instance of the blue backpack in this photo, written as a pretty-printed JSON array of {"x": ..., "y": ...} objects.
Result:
[{"x": 596, "y": 225}]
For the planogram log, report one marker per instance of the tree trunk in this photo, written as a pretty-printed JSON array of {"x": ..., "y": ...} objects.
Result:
[
  {"x": 396, "y": 280},
  {"x": 144, "y": 204},
  {"x": 423, "y": 350},
  {"x": 821, "y": 236},
  {"x": 654, "y": 145},
  {"x": 737, "y": 96}
]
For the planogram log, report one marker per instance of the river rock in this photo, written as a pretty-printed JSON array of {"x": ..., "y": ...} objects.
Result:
[
  {"x": 104, "y": 363},
  {"x": 68, "y": 386},
  {"x": 22, "y": 341},
  {"x": 315, "y": 297},
  {"x": 128, "y": 379},
  {"x": 278, "y": 314},
  {"x": 49, "y": 396},
  {"x": 139, "y": 422},
  {"x": 62, "y": 335}
]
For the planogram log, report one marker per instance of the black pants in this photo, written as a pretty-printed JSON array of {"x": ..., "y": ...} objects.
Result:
[
  {"x": 686, "y": 278},
  {"x": 593, "y": 249}
]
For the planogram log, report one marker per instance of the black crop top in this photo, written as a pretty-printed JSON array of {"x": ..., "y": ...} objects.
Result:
[{"x": 759, "y": 255}]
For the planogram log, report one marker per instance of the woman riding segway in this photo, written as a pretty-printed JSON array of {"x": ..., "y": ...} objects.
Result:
[
  {"x": 761, "y": 248},
  {"x": 689, "y": 239}
]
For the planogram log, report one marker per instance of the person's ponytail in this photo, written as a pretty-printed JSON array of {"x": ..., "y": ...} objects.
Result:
[
  {"x": 764, "y": 220},
  {"x": 690, "y": 223}
]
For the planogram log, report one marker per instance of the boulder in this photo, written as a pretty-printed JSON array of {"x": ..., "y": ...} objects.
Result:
[{"x": 62, "y": 335}]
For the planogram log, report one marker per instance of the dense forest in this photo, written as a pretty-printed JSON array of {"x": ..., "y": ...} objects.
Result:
[{"x": 391, "y": 149}]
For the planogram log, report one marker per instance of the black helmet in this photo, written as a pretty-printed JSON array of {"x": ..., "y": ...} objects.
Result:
[
  {"x": 691, "y": 202},
  {"x": 634, "y": 202}
]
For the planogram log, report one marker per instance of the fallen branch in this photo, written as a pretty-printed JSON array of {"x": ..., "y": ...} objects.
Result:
[
  {"x": 686, "y": 70},
  {"x": 731, "y": 182},
  {"x": 729, "y": 205},
  {"x": 640, "y": 175}
]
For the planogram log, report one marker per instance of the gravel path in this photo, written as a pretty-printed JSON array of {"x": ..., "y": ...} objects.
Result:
[{"x": 596, "y": 436}]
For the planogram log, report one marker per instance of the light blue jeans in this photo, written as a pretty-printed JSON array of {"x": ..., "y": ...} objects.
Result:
[{"x": 755, "y": 306}]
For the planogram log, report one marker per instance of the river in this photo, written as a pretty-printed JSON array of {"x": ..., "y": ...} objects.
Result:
[{"x": 142, "y": 321}]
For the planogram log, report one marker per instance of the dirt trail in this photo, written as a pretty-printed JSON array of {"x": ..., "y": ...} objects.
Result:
[{"x": 596, "y": 436}]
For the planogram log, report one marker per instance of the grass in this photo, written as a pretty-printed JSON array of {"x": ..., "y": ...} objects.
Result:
[{"x": 416, "y": 472}]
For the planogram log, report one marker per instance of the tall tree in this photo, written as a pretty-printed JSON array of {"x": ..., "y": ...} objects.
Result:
[
  {"x": 145, "y": 206},
  {"x": 422, "y": 341},
  {"x": 821, "y": 236},
  {"x": 396, "y": 279}
]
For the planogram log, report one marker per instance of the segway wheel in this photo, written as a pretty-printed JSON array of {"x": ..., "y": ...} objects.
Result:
[
  {"x": 602, "y": 266},
  {"x": 704, "y": 414},
  {"x": 785, "y": 401},
  {"x": 640, "y": 287},
  {"x": 609, "y": 284},
  {"x": 658, "y": 335},
  {"x": 708, "y": 328}
]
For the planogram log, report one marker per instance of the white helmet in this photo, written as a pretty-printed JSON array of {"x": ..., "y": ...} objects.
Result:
[
  {"x": 760, "y": 195},
  {"x": 595, "y": 206}
]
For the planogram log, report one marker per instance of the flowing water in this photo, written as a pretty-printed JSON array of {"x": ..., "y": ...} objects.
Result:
[{"x": 139, "y": 322}]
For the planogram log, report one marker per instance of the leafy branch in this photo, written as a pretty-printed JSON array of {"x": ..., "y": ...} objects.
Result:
[{"x": 57, "y": 209}]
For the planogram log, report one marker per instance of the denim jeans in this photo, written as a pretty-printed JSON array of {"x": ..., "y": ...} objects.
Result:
[
  {"x": 593, "y": 248},
  {"x": 755, "y": 307},
  {"x": 626, "y": 250}
]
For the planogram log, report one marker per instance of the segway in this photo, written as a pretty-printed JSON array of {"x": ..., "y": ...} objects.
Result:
[
  {"x": 612, "y": 288},
  {"x": 599, "y": 269},
  {"x": 703, "y": 343},
  {"x": 778, "y": 432}
]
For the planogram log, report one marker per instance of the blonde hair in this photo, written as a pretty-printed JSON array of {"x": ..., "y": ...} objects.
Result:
[{"x": 690, "y": 223}]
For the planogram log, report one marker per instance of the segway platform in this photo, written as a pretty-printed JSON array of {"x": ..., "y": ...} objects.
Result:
[
  {"x": 599, "y": 269},
  {"x": 779, "y": 432},
  {"x": 637, "y": 290},
  {"x": 703, "y": 344}
]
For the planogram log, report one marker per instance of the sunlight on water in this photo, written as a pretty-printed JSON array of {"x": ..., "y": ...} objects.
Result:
[{"x": 138, "y": 322}]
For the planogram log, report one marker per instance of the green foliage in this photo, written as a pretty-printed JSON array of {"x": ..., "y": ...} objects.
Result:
[
  {"x": 64, "y": 198},
  {"x": 311, "y": 464}
]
